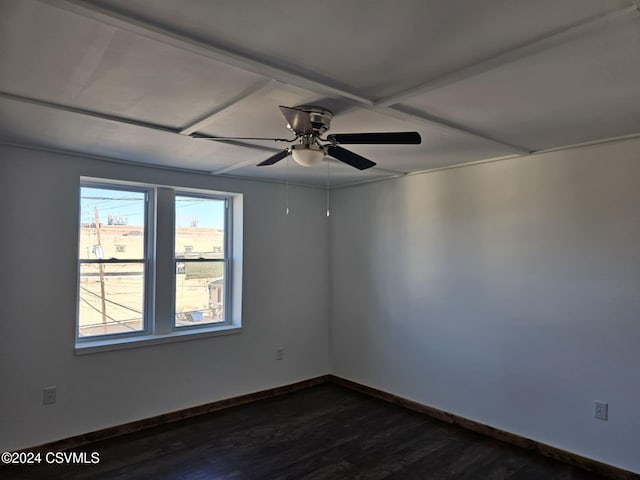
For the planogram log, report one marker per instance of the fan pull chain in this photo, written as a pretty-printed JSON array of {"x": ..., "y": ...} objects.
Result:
[
  {"x": 287, "y": 190},
  {"x": 328, "y": 183}
]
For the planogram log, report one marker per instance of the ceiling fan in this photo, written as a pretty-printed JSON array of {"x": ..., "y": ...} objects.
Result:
[{"x": 309, "y": 123}]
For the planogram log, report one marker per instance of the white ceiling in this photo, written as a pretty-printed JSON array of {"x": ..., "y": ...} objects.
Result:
[{"x": 131, "y": 79}]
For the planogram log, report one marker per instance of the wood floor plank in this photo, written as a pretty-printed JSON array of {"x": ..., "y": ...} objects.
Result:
[{"x": 325, "y": 432}]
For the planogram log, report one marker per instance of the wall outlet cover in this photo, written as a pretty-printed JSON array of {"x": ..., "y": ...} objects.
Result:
[
  {"x": 49, "y": 395},
  {"x": 601, "y": 410}
]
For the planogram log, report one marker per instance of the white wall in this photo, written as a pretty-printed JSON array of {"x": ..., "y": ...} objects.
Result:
[
  {"x": 507, "y": 293},
  {"x": 284, "y": 305}
]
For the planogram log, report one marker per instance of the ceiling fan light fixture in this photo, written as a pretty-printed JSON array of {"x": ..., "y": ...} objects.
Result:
[{"x": 307, "y": 155}]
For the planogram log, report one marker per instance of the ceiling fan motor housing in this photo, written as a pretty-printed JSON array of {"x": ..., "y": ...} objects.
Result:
[{"x": 320, "y": 118}]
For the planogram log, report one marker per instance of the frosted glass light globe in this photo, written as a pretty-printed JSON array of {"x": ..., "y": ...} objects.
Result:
[{"x": 308, "y": 157}]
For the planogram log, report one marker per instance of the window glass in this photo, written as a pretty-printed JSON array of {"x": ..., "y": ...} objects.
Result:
[
  {"x": 199, "y": 227},
  {"x": 111, "y": 298},
  {"x": 112, "y": 223},
  {"x": 112, "y": 268},
  {"x": 200, "y": 260},
  {"x": 199, "y": 293}
]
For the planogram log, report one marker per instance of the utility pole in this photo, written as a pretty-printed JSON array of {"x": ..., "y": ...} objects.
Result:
[{"x": 101, "y": 270}]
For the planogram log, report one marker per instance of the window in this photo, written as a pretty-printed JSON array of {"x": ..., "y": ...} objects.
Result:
[
  {"x": 156, "y": 264},
  {"x": 200, "y": 267},
  {"x": 112, "y": 281}
]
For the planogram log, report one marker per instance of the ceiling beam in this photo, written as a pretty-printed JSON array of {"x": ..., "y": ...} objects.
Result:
[
  {"x": 593, "y": 143},
  {"x": 402, "y": 115},
  {"x": 150, "y": 126},
  {"x": 509, "y": 56},
  {"x": 231, "y": 168},
  {"x": 177, "y": 40},
  {"x": 163, "y": 35},
  {"x": 207, "y": 119},
  {"x": 118, "y": 119},
  {"x": 421, "y": 118},
  {"x": 86, "y": 113},
  {"x": 432, "y": 121}
]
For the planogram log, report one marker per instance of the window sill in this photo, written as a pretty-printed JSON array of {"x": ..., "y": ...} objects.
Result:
[{"x": 107, "y": 345}]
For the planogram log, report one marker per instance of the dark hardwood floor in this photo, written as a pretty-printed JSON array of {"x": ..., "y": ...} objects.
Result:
[{"x": 323, "y": 432}]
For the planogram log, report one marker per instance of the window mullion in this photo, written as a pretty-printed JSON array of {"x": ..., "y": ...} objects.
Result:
[{"x": 164, "y": 264}]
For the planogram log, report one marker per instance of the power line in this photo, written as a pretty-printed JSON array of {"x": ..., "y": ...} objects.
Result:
[
  {"x": 111, "y": 301},
  {"x": 119, "y": 322},
  {"x": 140, "y": 198}
]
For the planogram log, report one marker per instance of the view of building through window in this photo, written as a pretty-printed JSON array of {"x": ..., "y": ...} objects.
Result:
[
  {"x": 113, "y": 253},
  {"x": 112, "y": 268},
  {"x": 200, "y": 260}
]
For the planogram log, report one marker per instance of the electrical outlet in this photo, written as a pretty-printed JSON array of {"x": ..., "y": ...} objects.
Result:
[
  {"x": 49, "y": 395},
  {"x": 601, "y": 411},
  {"x": 279, "y": 353}
]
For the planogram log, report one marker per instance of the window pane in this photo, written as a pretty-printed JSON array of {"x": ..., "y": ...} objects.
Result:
[
  {"x": 199, "y": 227},
  {"x": 111, "y": 223},
  {"x": 111, "y": 298},
  {"x": 199, "y": 293}
]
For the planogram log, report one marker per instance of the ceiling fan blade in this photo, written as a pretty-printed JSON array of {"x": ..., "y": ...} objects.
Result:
[
  {"x": 349, "y": 157},
  {"x": 225, "y": 139},
  {"x": 297, "y": 119},
  {"x": 382, "y": 138},
  {"x": 274, "y": 158}
]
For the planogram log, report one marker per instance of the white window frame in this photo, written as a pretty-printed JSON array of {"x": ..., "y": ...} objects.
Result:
[
  {"x": 160, "y": 268},
  {"x": 227, "y": 256}
]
